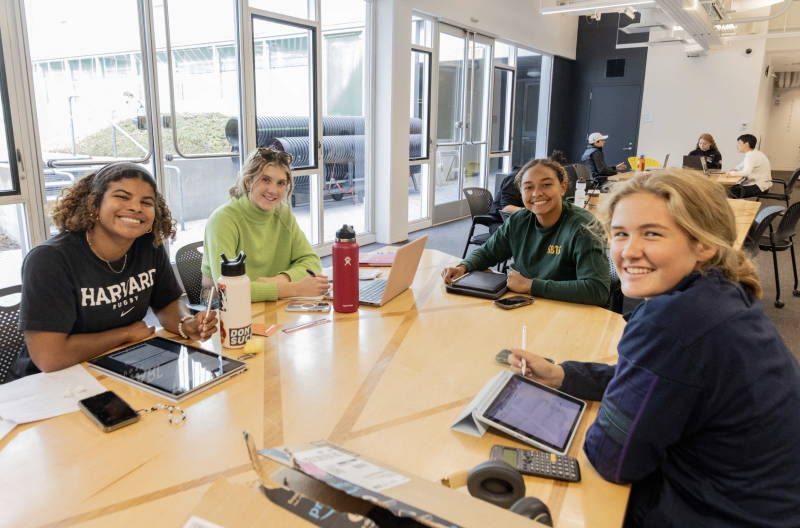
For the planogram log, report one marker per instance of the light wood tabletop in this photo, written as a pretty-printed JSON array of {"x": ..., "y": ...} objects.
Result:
[
  {"x": 723, "y": 179},
  {"x": 385, "y": 382},
  {"x": 745, "y": 212}
]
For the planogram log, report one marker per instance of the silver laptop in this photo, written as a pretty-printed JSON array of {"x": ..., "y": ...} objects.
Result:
[
  {"x": 664, "y": 166},
  {"x": 379, "y": 291}
]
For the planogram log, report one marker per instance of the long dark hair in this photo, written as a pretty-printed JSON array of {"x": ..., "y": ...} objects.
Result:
[{"x": 76, "y": 208}]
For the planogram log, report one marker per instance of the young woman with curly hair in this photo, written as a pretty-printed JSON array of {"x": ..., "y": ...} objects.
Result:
[
  {"x": 556, "y": 255},
  {"x": 87, "y": 290}
]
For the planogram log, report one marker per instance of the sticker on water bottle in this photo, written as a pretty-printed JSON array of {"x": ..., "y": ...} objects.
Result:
[{"x": 239, "y": 336}]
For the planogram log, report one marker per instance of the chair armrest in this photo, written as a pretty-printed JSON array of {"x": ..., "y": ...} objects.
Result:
[
  {"x": 778, "y": 180},
  {"x": 485, "y": 220}
]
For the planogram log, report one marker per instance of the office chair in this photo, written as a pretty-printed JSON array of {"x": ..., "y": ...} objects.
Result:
[
  {"x": 479, "y": 201},
  {"x": 188, "y": 261},
  {"x": 572, "y": 176},
  {"x": 11, "y": 339},
  {"x": 584, "y": 172},
  {"x": 615, "y": 298},
  {"x": 633, "y": 161},
  {"x": 782, "y": 239},
  {"x": 787, "y": 189},
  {"x": 760, "y": 223}
]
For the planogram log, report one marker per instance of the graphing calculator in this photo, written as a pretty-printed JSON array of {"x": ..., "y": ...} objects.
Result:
[{"x": 539, "y": 463}]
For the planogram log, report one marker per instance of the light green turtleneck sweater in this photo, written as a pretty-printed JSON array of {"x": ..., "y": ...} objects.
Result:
[{"x": 272, "y": 241}]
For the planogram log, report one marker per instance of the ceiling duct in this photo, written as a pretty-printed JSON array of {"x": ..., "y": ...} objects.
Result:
[
  {"x": 646, "y": 23},
  {"x": 697, "y": 19}
]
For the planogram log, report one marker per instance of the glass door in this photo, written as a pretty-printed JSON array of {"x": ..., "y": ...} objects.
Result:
[{"x": 463, "y": 109}]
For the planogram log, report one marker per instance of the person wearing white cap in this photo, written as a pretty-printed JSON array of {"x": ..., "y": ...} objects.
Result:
[{"x": 596, "y": 161}]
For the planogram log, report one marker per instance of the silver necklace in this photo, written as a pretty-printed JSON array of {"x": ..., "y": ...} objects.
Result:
[{"x": 104, "y": 260}]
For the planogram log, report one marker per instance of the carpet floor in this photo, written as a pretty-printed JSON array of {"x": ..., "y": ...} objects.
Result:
[{"x": 450, "y": 238}]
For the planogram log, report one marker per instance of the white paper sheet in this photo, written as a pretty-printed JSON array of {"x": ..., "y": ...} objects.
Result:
[
  {"x": 6, "y": 426},
  {"x": 363, "y": 273},
  {"x": 41, "y": 396},
  {"x": 354, "y": 470}
]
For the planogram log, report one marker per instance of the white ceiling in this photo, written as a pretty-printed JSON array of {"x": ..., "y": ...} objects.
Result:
[{"x": 786, "y": 61}]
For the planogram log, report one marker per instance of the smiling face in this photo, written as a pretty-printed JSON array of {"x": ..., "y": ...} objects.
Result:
[
  {"x": 268, "y": 191},
  {"x": 704, "y": 144},
  {"x": 651, "y": 251},
  {"x": 127, "y": 210},
  {"x": 542, "y": 193}
]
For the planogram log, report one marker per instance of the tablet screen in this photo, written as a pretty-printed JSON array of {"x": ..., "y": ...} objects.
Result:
[
  {"x": 167, "y": 365},
  {"x": 541, "y": 413}
]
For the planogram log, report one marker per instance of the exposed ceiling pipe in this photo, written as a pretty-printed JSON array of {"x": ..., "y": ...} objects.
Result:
[
  {"x": 795, "y": 79},
  {"x": 781, "y": 76},
  {"x": 792, "y": 79},
  {"x": 781, "y": 11}
]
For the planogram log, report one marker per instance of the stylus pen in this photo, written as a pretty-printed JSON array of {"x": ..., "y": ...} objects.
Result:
[
  {"x": 210, "y": 297},
  {"x": 524, "y": 340},
  {"x": 310, "y": 272}
]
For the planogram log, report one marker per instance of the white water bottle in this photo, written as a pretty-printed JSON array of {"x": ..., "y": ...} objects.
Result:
[
  {"x": 580, "y": 193},
  {"x": 233, "y": 286}
]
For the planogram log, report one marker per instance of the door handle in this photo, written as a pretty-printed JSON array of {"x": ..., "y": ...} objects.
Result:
[{"x": 628, "y": 148}]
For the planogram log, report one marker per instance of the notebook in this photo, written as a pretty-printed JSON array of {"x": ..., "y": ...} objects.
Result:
[{"x": 376, "y": 259}]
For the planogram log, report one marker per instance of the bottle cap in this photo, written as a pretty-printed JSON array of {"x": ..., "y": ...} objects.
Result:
[
  {"x": 233, "y": 268},
  {"x": 346, "y": 234}
]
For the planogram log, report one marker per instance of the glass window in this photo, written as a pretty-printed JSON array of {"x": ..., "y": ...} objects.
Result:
[
  {"x": 418, "y": 189},
  {"x": 421, "y": 31},
  {"x": 504, "y": 54},
  {"x": 9, "y": 178},
  {"x": 293, "y": 8},
  {"x": 14, "y": 244},
  {"x": 526, "y": 106},
  {"x": 206, "y": 99},
  {"x": 344, "y": 49},
  {"x": 503, "y": 92},
  {"x": 499, "y": 167},
  {"x": 304, "y": 195},
  {"x": 420, "y": 100}
]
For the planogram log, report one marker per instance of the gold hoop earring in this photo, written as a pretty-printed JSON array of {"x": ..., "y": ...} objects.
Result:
[{"x": 150, "y": 230}]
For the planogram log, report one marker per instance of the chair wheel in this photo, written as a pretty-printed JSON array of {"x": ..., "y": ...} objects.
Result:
[
  {"x": 779, "y": 304},
  {"x": 796, "y": 293}
]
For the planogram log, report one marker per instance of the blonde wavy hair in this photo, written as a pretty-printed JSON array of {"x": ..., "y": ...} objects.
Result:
[
  {"x": 701, "y": 208},
  {"x": 253, "y": 171}
]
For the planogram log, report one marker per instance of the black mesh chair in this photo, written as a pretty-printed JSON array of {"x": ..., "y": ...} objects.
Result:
[
  {"x": 787, "y": 189},
  {"x": 760, "y": 224},
  {"x": 616, "y": 298},
  {"x": 572, "y": 175},
  {"x": 583, "y": 171},
  {"x": 188, "y": 261},
  {"x": 782, "y": 239},
  {"x": 11, "y": 339},
  {"x": 479, "y": 201}
]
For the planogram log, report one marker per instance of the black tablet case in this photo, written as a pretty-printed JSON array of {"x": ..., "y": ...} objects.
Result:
[{"x": 479, "y": 284}]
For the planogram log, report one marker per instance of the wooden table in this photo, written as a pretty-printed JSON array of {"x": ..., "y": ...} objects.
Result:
[
  {"x": 727, "y": 182},
  {"x": 744, "y": 210},
  {"x": 386, "y": 382}
]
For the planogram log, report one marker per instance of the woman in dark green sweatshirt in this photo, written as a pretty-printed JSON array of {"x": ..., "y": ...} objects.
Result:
[{"x": 556, "y": 254}]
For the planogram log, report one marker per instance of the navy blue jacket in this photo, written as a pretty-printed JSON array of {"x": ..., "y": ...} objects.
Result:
[
  {"x": 702, "y": 409},
  {"x": 596, "y": 161}
]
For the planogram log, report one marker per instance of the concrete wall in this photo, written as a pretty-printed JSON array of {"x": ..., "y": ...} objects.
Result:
[
  {"x": 205, "y": 186},
  {"x": 717, "y": 94}
]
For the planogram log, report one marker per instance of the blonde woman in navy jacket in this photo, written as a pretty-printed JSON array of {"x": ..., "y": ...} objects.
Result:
[{"x": 700, "y": 413}]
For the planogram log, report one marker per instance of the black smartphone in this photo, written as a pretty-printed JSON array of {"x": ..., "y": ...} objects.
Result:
[
  {"x": 502, "y": 357},
  {"x": 108, "y": 411},
  {"x": 513, "y": 302}
]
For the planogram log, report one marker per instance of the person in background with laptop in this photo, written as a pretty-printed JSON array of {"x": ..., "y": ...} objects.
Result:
[
  {"x": 700, "y": 412},
  {"x": 707, "y": 148},
  {"x": 258, "y": 220},
  {"x": 596, "y": 161},
  {"x": 556, "y": 255},
  {"x": 755, "y": 168},
  {"x": 87, "y": 289}
]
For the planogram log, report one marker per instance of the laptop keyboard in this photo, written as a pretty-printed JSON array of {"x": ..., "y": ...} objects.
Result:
[{"x": 372, "y": 291}]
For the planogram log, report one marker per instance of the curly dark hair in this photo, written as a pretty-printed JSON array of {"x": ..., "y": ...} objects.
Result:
[
  {"x": 75, "y": 207},
  {"x": 559, "y": 158}
]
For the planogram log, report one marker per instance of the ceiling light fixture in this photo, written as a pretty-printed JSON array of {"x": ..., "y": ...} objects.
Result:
[{"x": 590, "y": 6}]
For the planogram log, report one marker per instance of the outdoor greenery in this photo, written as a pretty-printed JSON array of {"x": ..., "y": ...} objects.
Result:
[{"x": 197, "y": 134}]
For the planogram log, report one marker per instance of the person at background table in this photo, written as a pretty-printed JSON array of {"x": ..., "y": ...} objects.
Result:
[
  {"x": 509, "y": 199},
  {"x": 87, "y": 290},
  {"x": 596, "y": 160},
  {"x": 258, "y": 220},
  {"x": 755, "y": 167},
  {"x": 700, "y": 412},
  {"x": 707, "y": 148},
  {"x": 554, "y": 251}
]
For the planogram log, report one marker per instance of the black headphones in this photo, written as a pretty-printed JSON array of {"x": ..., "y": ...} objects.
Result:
[{"x": 498, "y": 483}]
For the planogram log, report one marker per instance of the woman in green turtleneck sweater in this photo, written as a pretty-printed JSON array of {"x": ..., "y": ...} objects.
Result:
[{"x": 257, "y": 221}]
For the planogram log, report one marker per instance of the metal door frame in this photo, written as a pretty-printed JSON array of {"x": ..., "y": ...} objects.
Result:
[{"x": 638, "y": 112}]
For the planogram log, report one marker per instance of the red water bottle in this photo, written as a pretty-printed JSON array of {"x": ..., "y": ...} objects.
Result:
[{"x": 345, "y": 270}]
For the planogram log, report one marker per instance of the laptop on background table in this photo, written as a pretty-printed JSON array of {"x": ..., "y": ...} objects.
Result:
[{"x": 406, "y": 261}]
